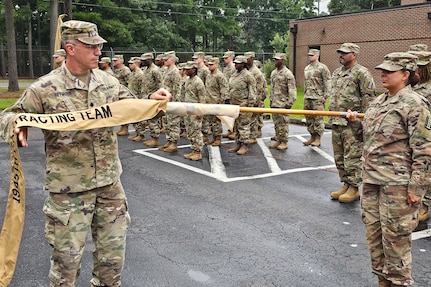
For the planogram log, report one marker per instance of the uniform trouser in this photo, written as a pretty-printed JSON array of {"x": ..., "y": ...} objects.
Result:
[
  {"x": 173, "y": 130},
  {"x": 281, "y": 126},
  {"x": 347, "y": 148},
  {"x": 215, "y": 126},
  {"x": 241, "y": 128},
  {"x": 389, "y": 222},
  {"x": 254, "y": 126},
  {"x": 194, "y": 132},
  {"x": 154, "y": 125},
  {"x": 140, "y": 127},
  {"x": 69, "y": 217},
  {"x": 315, "y": 124}
]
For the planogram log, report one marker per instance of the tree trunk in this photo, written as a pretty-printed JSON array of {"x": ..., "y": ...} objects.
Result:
[
  {"x": 2, "y": 60},
  {"x": 11, "y": 47},
  {"x": 53, "y": 26},
  {"x": 30, "y": 49},
  {"x": 68, "y": 10}
]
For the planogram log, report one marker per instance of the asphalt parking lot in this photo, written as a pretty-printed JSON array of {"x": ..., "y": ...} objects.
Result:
[{"x": 263, "y": 219}]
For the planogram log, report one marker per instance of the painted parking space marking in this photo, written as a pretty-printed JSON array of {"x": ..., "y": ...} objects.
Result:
[{"x": 421, "y": 234}]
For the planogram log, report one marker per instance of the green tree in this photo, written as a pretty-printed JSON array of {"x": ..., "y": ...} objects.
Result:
[{"x": 345, "y": 6}]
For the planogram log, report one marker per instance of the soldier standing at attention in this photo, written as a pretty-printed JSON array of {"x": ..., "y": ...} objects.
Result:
[
  {"x": 59, "y": 57},
  {"x": 171, "y": 81},
  {"x": 194, "y": 92},
  {"x": 152, "y": 82},
  {"x": 105, "y": 65},
  {"x": 352, "y": 89},
  {"x": 317, "y": 85},
  {"x": 396, "y": 169},
  {"x": 228, "y": 71},
  {"x": 122, "y": 73},
  {"x": 203, "y": 72},
  {"x": 83, "y": 178},
  {"x": 242, "y": 89},
  {"x": 261, "y": 89},
  {"x": 217, "y": 92},
  {"x": 136, "y": 84},
  {"x": 283, "y": 95}
]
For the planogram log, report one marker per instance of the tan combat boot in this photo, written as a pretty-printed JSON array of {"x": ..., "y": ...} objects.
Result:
[
  {"x": 136, "y": 138},
  {"x": 168, "y": 143},
  {"x": 273, "y": 138},
  {"x": 253, "y": 141},
  {"x": 424, "y": 213},
  {"x": 336, "y": 194},
  {"x": 316, "y": 141},
  {"x": 217, "y": 142},
  {"x": 171, "y": 148},
  {"x": 196, "y": 155},
  {"x": 383, "y": 282},
  {"x": 235, "y": 148},
  {"x": 274, "y": 145},
  {"x": 188, "y": 155},
  {"x": 243, "y": 149},
  {"x": 124, "y": 130},
  {"x": 282, "y": 146},
  {"x": 152, "y": 142},
  {"x": 313, "y": 137},
  {"x": 231, "y": 136},
  {"x": 351, "y": 195},
  {"x": 259, "y": 132}
]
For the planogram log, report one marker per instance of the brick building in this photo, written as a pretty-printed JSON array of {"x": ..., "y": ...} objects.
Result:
[{"x": 377, "y": 32}]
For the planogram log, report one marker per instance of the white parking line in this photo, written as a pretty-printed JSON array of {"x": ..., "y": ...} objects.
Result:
[
  {"x": 272, "y": 163},
  {"x": 216, "y": 162},
  {"x": 421, "y": 234}
]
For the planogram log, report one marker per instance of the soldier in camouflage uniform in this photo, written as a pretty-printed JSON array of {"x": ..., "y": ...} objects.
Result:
[
  {"x": 317, "y": 86},
  {"x": 283, "y": 95},
  {"x": 122, "y": 73},
  {"x": 171, "y": 81},
  {"x": 242, "y": 92},
  {"x": 59, "y": 57},
  {"x": 82, "y": 167},
  {"x": 203, "y": 72},
  {"x": 194, "y": 92},
  {"x": 423, "y": 88},
  {"x": 396, "y": 169},
  {"x": 217, "y": 92},
  {"x": 228, "y": 71},
  {"x": 261, "y": 89},
  {"x": 135, "y": 85},
  {"x": 105, "y": 65},
  {"x": 352, "y": 89},
  {"x": 152, "y": 82}
]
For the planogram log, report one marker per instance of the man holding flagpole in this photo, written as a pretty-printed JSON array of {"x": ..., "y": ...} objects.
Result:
[{"x": 83, "y": 168}]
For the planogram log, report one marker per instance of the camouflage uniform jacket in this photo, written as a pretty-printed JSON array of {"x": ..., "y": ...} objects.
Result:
[
  {"x": 203, "y": 73},
  {"x": 261, "y": 87},
  {"x": 397, "y": 141},
  {"x": 352, "y": 89},
  {"x": 242, "y": 89},
  {"x": 194, "y": 90},
  {"x": 122, "y": 74},
  {"x": 136, "y": 83},
  {"x": 171, "y": 81},
  {"x": 216, "y": 87},
  {"x": 228, "y": 71},
  {"x": 76, "y": 161},
  {"x": 424, "y": 90},
  {"x": 109, "y": 71},
  {"x": 317, "y": 81},
  {"x": 283, "y": 88},
  {"x": 152, "y": 79}
]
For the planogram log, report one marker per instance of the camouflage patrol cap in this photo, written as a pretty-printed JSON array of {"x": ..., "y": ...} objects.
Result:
[
  {"x": 147, "y": 56},
  {"x": 349, "y": 48},
  {"x": 105, "y": 60},
  {"x": 424, "y": 57},
  {"x": 85, "y": 32},
  {"x": 240, "y": 59},
  {"x": 134, "y": 60},
  {"x": 228, "y": 54},
  {"x": 117, "y": 57},
  {"x": 59, "y": 52},
  {"x": 249, "y": 55},
  {"x": 279, "y": 56},
  {"x": 313, "y": 52},
  {"x": 418, "y": 47},
  {"x": 159, "y": 57},
  {"x": 190, "y": 65},
  {"x": 181, "y": 66},
  {"x": 198, "y": 55},
  {"x": 168, "y": 55},
  {"x": 207, "y": 58},
  {"x": 213, "y": 60},
  {"x": 398, "y": 61}
]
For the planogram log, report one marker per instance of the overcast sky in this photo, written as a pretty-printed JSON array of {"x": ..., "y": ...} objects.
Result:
[{"x": 323, "y": 5}]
